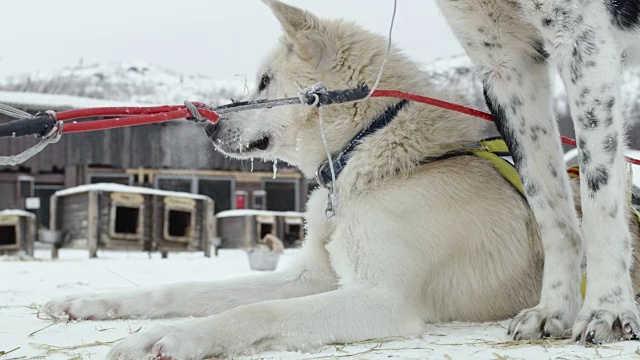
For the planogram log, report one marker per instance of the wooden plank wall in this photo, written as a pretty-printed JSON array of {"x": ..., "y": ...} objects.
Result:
[{"x": 176, "y": 145}]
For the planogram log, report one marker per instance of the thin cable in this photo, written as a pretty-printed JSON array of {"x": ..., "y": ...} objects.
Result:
[
  {"x": 386, "y": 57},
  {"x": 331, "y": 205},
  {"x": 13, "y": 112}
]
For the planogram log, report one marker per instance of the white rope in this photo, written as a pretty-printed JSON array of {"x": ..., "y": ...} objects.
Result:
[
  {"x": 331, "y": 208},
  {"x": 13, "y": 112},
  {"x": 386, "y": 57},
  {"x": 52, "y": 137}
]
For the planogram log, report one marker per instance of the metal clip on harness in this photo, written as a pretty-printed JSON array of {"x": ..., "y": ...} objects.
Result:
[{"x": 44, "y": 125}]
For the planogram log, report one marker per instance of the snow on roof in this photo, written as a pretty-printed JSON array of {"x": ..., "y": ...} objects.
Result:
[
  {"x": 251, "y": 212},
  {"x": 16, "y": 212},
  {"x": 38, "y": 101},
  {"x": 109, "y": 187}
]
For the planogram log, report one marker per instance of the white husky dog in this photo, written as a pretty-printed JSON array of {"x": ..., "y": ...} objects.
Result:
[{"x": 416, "y": 238}]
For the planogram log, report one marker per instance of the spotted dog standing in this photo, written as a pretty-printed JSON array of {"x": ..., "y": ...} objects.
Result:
[
  {"x": 515, "y": 43},
  {"x": 427, "y": 226}
]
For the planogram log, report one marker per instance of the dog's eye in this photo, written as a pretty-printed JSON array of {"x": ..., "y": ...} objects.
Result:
[{"x": 264, "y": 82}]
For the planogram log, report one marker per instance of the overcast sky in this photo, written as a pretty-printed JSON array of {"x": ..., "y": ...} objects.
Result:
[{"x": 213, "y": 37}]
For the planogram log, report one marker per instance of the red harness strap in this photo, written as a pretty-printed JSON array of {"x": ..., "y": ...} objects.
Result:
[
  {"x": 128, "y": 116},
  {"x": 460, "y": 109},
  {"x": 85, "y": 119}
]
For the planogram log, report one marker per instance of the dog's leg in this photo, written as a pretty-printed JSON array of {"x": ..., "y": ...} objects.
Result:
[
  {"x": 194, "y": 299},
  {"x": 344, "y": 315},
  {"x": 583, "y": 38},
  {"x": 311, "y": 274},
  {"x": 516, "y": 81}
]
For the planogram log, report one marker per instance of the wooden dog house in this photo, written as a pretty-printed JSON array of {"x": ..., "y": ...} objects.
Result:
[
  {"x": 291, "y": 228},
  {"x": 113, "y": 216},
  {"x": 17, "y": 232},
  {"x": 243, "y": 228}
]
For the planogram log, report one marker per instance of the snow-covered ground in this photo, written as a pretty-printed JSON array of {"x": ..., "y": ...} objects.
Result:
[{"x": 24, "y": 284}]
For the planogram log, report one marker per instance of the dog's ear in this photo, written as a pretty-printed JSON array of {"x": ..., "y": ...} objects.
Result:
[{"x": 303, "y": 30}]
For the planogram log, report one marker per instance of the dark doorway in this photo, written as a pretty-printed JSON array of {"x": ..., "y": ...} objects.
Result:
[
  {"x": 179, "y": 223},
  {"x": 8, "y": 235},
  {"x": 126, "y": 222}
]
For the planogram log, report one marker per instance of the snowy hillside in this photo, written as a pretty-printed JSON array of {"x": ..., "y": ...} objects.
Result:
[
  {"x": 131, "y": 82},
  {"x": 458, "y": 72}
]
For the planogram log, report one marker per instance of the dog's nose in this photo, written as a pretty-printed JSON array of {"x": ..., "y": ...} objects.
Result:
[{"x": 211, "y": 129}]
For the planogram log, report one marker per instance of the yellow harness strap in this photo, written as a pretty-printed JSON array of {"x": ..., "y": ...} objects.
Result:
[{"x": 490, "y": 151}]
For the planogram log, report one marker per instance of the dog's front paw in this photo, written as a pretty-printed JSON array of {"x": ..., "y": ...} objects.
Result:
[
  {"x": 541, "y": 322},
  {"x": 84, "y": 308},
  {"x": 601, "y": 325},
  {"x": 165, "y": 343}
]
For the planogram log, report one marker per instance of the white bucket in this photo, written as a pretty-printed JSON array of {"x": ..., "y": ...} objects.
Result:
[{"x": 263, "y": 260}]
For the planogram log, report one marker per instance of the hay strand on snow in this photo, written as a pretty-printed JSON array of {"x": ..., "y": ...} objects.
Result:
[
  {"x": 5, "y": 353},
  {"x": 55, "y": 348}
]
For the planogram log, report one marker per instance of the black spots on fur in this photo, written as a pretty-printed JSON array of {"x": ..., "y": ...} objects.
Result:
[
  {"x": 587, "y": 42},
  {"x": 502, "y": 124},
  {"x": 536, "y": 132},
  {"x": 556, "y": 284},
  {"x": 552, "y": 170},
  {"x": 613, "y": 296},
  {"x": 608, "y": 121},
  {"x": 596, "y": 177},
  {"x": 582, "y": 97},
  {"x": 613, "y": 212},
  {"x": 589, "y": 120},
  {"x": 547, "y": 22},
  {"x": 531, "y": 189},
  {"x": 575, "y": 66},
  {"x": 625, "y": 14},
  {"x": 610, "y": 104},
  {"x": 583, "y": 153},
  {"x": 540, "y": 54},
  {"x": 537, "y": 5},
  {"x": 583, "y": 48},
  {"x": 492, "y": 45},
  {"x": 515, "y": 103}
]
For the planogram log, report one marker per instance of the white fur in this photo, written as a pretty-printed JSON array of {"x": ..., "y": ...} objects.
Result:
[
  {"x": 410, "y": 243},
  {"x": 505, "y": 38}
]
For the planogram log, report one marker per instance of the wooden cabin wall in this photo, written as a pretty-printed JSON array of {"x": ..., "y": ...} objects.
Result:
[
  {"x": 175, "y": 145},
  {"x": 7, "y": 195},
  {"x": 199, "y": 233},
  {"x": 27, "y": 234},
  {"x": 72, "y": 216}
]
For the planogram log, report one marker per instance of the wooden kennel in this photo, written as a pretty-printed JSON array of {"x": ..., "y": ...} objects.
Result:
[
  {"x": 243, "y": 228},
  {"x": 113, "y": 216},
  {"x": 17, "y": 232}
]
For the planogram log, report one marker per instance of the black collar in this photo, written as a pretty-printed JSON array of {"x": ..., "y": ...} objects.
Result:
[{"x": 323, "y": 174}]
